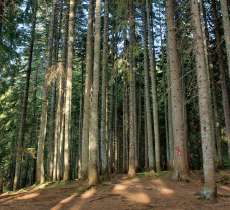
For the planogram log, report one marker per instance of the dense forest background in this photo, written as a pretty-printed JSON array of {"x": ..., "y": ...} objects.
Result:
[{"x": 89, "y": 88}]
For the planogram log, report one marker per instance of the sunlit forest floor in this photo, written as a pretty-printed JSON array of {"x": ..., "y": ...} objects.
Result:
[{"x": 146, "y": 191}]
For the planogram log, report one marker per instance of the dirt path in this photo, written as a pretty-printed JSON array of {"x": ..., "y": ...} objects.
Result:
[{"x": 140, "y": 193}]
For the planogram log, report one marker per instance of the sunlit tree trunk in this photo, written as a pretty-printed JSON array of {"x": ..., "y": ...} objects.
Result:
[
  {"x": 40, "y": 174},
  {"x": 23, "y": 117},
  {"x": 132, "y": 133},
  {"x": 205, "y": 106},
  {"x": 93, "y": 126},
  {"x": 88, "y": 84},
  {"x": 68, "y": 90},
  {"x": 178, "y": 123}
]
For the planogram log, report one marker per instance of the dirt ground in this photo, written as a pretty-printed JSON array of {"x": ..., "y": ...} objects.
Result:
[{"x": 121, "y": 193}]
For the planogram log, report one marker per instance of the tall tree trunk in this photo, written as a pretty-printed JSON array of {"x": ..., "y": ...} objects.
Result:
[
  {"x": 125, "y": 128},
  {"x": 178, "y": 123},
  {"x": 205, "y": 106},
  {"x": 23, "y": 117},
  {"x": 68, "y": 91},
  {"x": 149, "y": 127},
  {"x": 94, "y": 129},
  {"x": 153, "y": 82},
  {"x": 104, "y": 140},
  {"x": 226, "y": 25},
  {"x": 40, "y": 174},
  {"x": 224, "y": 89},
  {"x": 132, "y": 133},
  {"x": 88, "y": 84}
]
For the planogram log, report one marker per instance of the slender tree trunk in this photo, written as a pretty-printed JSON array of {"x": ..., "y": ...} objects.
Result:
[
  {"x": 125, "y": 129},
  {"x": 79, "y": 166},
  {"x": 132, "y": 133},
  {"x": 170, "y": 125},
  {"x": 104, "y": 141},
  {"x": 149, "y": 126},
  {"x": 40, "y": 174},
  {"x": 180, "y": 164},
  {"x": 94, "y": 129},
  {"x": 224, "y": 89},
  {"x": 88, "y": 84},
  {"x": 22, "y": 127},
  {"x": 153, "y": 82},
  {"x": 205, "y": 106},
  {"x": 226, "y": 25},
  {"x": 68, "y": 92}
]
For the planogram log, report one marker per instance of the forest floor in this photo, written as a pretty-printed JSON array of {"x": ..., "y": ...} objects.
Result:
[{"x": 144, "y": 192}]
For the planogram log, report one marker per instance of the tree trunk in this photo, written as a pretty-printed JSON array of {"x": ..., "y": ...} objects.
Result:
[
  {"x": 132, "y": 133},
  {"x": 88, "y": 84},
  {"x": 153, "y": 82},
  {"x": 23, "y": 117},
  {"x": 178, "y": 123},
  {"x": 125, "y": 129},
  {"x": 205, "y": 106},
  {"x": 224, "y": 89},
  {"x": 149, "y": 127},
  {"x": 94, "y": 129},
  {"x": 68, "y": 90},
  {"x": 226, "y": 25},
  {"x": 40, "y": 175},
  {"x": 104, "y": 140}
]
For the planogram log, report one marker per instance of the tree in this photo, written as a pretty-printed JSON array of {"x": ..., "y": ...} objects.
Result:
[
  {"x": 205, "y": 106},
  {"x": 147, "y": 99},
  {"x": 226, "y": 26},
  {"x": 132, "y": 133},
  {"x": 104, "y": 135},
  {"x": 178, "y": 123},
  {"x": 153, "y": 82},
  {"x": 88, "y": 84},
  {"x": 40, "y": 174},
  {"x": 22, "y": 127},
  {"x": 68, "y": 93},
  {"x": 93, "y": 126}
]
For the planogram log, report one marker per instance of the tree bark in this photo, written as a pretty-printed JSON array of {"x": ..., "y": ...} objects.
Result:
[
  {"x": 88, "y": 84},
  {"x": 153, "y": 83},
  {"x": 178, "y": 123},
  {"x": 149, "y": 127},
  {"x": 226, "y": 25},
  {"x": 40, "y": 174},
  {"x": 132, "y": 133},
  {"x": 205, "y": 106},
  {"x": 104, "y": 140},
  {"x": 68, "y": 91},
  {"x": 224, "y": 89},
  {"x": 23, "y": 117},
  {"x": 94, "y": 129}
]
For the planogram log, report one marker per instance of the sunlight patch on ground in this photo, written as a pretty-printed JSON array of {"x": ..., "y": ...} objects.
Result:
[
  {"x": 60, "y": 205},
  {"x": 138, "y": 197},
  {"x": 28, "y": 196},
  {"x": 119, "y": 187},
  {"x": 160, "y": 186},
  {"x": 88, "y": 193},
  {"x": 166, "y": 191}
]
